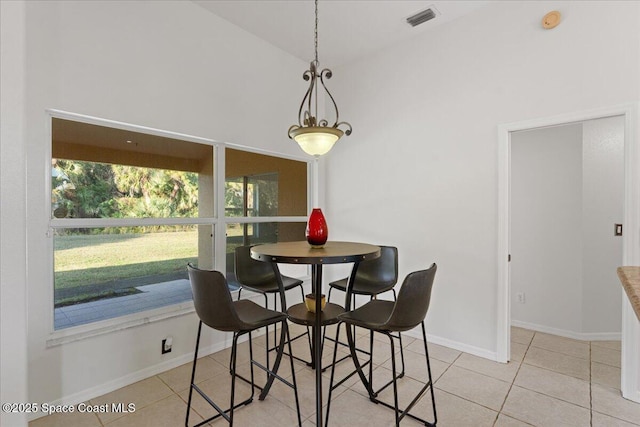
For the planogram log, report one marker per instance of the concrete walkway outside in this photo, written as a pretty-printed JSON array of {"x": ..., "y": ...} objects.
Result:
[{"x": 150, "y": 297}]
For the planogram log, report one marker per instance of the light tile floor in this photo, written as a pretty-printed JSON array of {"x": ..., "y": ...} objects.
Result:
[{"x": 551, "y": 381}]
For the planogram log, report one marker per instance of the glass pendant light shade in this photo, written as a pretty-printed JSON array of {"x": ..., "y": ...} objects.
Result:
[{"x": 316, "y": 140}]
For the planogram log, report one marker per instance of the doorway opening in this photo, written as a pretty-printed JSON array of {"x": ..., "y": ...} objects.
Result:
[
  {"x": 567, "y": 192},
  {"x": 630, "y": 240}
]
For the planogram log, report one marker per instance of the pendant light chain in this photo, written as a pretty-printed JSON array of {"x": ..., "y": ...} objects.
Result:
[
  {"x": 317, "y": 64},
  {"x": 315, "y": 39}
]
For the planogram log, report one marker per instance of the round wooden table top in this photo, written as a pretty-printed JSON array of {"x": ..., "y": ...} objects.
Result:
[{"x": 302, "y": 253}]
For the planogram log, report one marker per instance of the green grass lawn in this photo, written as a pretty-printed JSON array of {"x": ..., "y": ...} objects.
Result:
[
  {"x": 90, "y": 259},
  {"x": 96, "y": 266}
]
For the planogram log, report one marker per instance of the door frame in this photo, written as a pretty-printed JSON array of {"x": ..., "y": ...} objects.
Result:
[{"x": 630, "y": 378}]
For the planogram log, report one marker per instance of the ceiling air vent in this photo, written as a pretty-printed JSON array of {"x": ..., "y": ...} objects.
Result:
[{"x": 421, "y": 17}]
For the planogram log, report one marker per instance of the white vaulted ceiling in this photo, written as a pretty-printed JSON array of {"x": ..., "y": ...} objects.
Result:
[{"x": 348, "y": 29}]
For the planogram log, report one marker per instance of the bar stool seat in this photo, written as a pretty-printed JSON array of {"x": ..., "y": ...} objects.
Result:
[
  {"x": 270, "y": 286},
  {"x": 363, "y": 286},
  {"x": 373, "y": 315}
]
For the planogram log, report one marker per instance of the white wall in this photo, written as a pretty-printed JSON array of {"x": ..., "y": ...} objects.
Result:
[
  {"x": 420, "y": 169},
  {"x": 163, "y": 64},
  {"x": 567, "y": 186},
  {"x": 13, "y": 291},
  {"x": 603, "y": 197},
  {"x": 424, "y": 116},
  {"x": 546, "y": 227}
]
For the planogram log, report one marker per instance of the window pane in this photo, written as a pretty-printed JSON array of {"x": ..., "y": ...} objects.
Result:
[
  {"x": 259, "y": 233},
  {"x": 234, "y": 197},
  {"x": 98, "y": 190},
  {"x": 259, "y": 185},
  {"x": 102, "y": 172},
  {"x": 251, "y": 196},
  {"x": 102, "y": 273}
]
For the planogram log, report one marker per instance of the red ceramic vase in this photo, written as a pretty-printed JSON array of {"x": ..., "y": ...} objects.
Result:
[{"x": 317, "y": 230}]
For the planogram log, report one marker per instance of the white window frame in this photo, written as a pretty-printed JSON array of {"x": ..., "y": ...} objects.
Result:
[{"x": 218, "y": 222}]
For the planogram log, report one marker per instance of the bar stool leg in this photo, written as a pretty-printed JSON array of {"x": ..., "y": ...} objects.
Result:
[
  {"x": 193, "y": 374},
  {"x": 433, "y": 397},
  {"x": 293, "y": 373},
  {"x": 234, "y": 357},
  {"x": 371, "y": 361},
  {"x": 333, "y": 371},
  {"x": 395, "y": 381}
]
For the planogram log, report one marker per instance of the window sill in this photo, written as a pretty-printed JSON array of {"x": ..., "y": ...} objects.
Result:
[
  {"x": 77, "y": 333},
  {"x": 89, "y": 330}
]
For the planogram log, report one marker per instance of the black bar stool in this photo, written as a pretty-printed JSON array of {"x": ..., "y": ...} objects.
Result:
[
  {"x": 385, "y": 317},
  {"x": 216, "y": 309},
  {"x": 372, "y": 278},
  {"x": 259, "y": 277}
]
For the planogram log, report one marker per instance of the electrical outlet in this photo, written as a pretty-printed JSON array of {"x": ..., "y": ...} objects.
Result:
[
  {"x": 166, "y": 345},
  {"x": 520, "y": 297}
]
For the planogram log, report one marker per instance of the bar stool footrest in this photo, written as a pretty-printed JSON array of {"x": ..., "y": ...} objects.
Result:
[
  {"x": 355, "y": 371},
  {"x": 405, "y": 412},
  {"x": 221, "y": 412},
  {"x": 275, "y": 348}
]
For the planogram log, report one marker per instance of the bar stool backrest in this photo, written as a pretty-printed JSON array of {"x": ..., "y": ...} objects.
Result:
[
  {"x": 413, "y": 300},
  {"x": 251, "y": 272},
  {"x": 382, "y": 271},
  {"x": 212, "y": 299}
]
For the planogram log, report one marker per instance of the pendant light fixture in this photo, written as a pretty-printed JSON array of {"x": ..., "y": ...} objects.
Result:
[{"x": 313, "y": 134}]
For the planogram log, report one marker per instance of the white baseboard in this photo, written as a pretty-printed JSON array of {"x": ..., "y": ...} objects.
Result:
[
  {"x": 133, "y": 377},
  {"x": 634, "y": 397},
  {"x": 476, "y": 351},
  {"x": 99, "y": 390},
  {"x": 582, "y": 336}
]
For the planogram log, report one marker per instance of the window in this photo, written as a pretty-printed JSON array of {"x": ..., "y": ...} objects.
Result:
[
  {"x": 259, "y": 191},
  {"x": 102, "y": 273},
  {"x": 130, "y": 209}
]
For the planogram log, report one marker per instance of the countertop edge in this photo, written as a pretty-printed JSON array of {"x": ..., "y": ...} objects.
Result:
[{"x": 630, "y": 279}]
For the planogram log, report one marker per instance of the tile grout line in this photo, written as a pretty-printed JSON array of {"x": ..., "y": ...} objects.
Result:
[
  {"x": 555, "y": 372},
  {"x": 450, "y": 365},
  {"x": 563, "y": 354},
  {"x": 558, "y": 352},
  {"x": 590, "y": 386},
  {"x": 591, "y": 410},
  {"x": 462, "y": 397},
  {"x": 564, "y": 374},
  {"x": 515, "y": 376}
]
